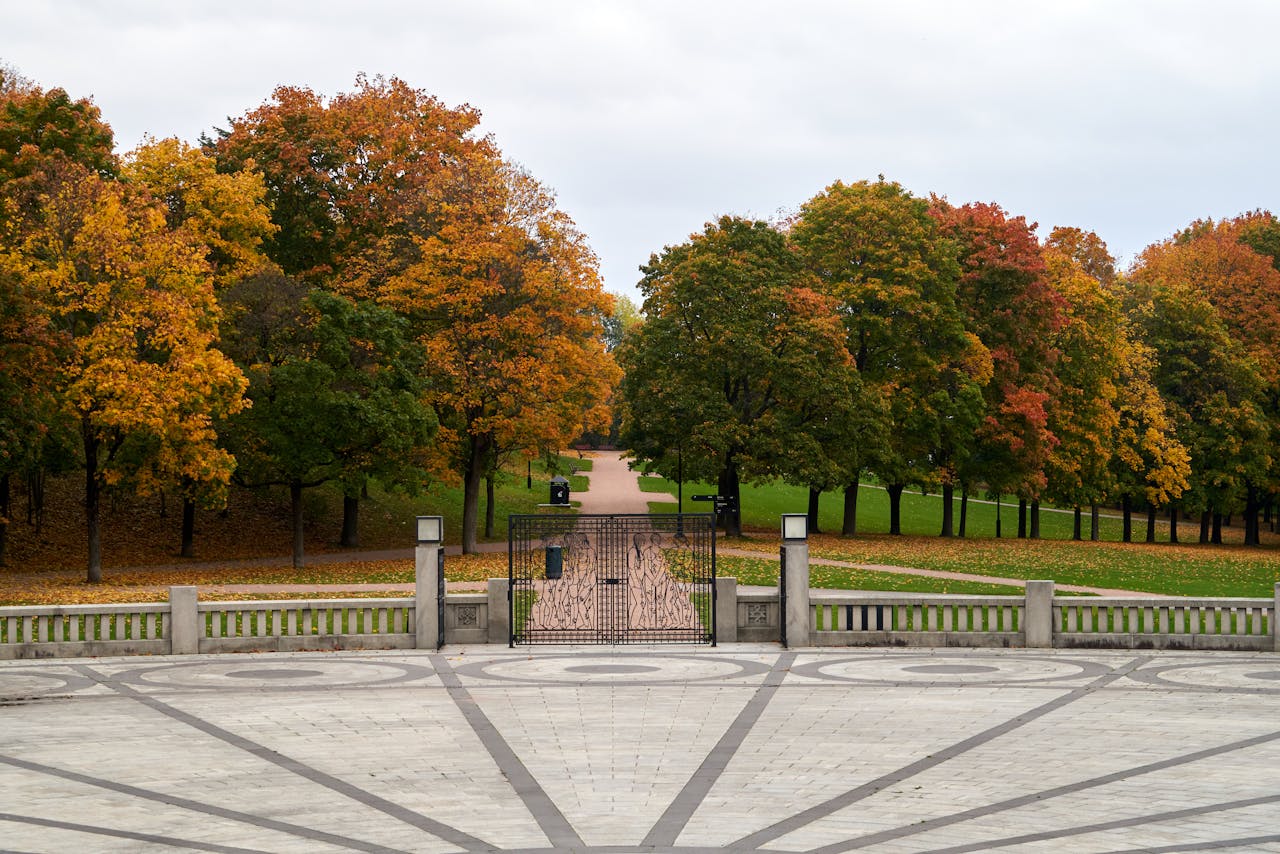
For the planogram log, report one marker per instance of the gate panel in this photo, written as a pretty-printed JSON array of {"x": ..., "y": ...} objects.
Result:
[{"x": 612, "y": 579}]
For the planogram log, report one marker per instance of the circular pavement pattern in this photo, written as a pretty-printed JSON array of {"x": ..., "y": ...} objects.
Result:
[
  {"x": 660, "y": 669},
  {"x": 1226, "y": 676},
  {"x": 909, "y": 670},
  {"x": 280, "y": 673},
  {"x": 319, "y": 676},
  {"x": 28, "y": 684}
]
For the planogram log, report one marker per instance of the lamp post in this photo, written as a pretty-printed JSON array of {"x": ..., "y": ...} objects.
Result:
[
  {"x": 793, "y": 580},
  {"x": 680, "y": 478},
  {"x": 428, "y": 574}
]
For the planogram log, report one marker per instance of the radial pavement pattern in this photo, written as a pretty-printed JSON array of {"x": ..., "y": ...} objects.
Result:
[{"x": 745, "y": 748}]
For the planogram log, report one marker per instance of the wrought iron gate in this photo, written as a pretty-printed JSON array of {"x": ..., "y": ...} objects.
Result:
[{"x": 612, "y": 579}]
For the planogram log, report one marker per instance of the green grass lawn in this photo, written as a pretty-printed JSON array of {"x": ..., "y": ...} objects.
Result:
[
  {"x": 1185, "y": 570},
  {"x": 921, "y": 514}
]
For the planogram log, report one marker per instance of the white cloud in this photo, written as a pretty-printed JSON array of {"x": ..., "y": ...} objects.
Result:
[{"x": 650, "y": 118}]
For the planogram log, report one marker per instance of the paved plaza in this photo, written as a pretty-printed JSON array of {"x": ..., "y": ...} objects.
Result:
[{"x": 749, "y": 748}]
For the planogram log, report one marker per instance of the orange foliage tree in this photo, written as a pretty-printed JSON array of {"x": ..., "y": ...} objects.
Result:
[{"x": 506, "y": 298}]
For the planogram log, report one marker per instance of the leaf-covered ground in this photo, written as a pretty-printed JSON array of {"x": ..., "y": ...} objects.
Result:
[{"x": 54, "y": 587}]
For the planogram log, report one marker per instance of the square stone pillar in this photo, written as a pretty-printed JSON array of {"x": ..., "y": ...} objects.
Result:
[
  {"x": 499, "y": 610},
  {"x": 796, "y": 614},
  {"x": 184, "y": 621},
  {"x": 1275, "y": 619},
  {"x": 1038, "y": 615},
  {"x": 426, "y": 596},
  {"x": 726, "y": 610}
]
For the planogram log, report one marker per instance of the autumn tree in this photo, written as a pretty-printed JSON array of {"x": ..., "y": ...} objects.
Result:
[
  {"x": 1083, "y": 414},
  {"x": 1009, "y": 304},
  {"x": 45, "y": 138},
  {"x": 354, "y": 184},
  {"x": 736, "y": 357},
  {"x": 225, "y": 217},
  {"x": 137, "y": 369},
  {"x": 1149, "y": 459},
  {"x": 1237, "y": 291},
  {"x": 506, "y": 298},
  {"x": 879, "y": 254}
]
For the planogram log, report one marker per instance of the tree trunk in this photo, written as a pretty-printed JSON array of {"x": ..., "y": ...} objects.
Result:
[
  {"x": 1035, "y": 520},
  {"x": 895, "y": 508},
  {"x": 1094, "y": 532},
  {"x": 164, "y": 506},
  {"x": 964, "y": 510},
  {"x": 849, "y": 525},
  {"x": 295, "y": 514},
  {"x": 730, "y": 488},
  {"x": 35, "y": 499},
  {"x": 1216, "y": 537},
  {"x": 1022, "y": 518},
  {"x": 1173, "y": 524},
  {"x": 1252, "y": 536},
  {"x": 948, "y": 496},
  {"x": 997, "y": 515},
  {"x": 188, "y": 527},
  {"x": 815, "y": 496},
  {"x": 472, "y": 475},
  {"x": 489, "y": 511},
  {"x": 1204, "y": 527},
  {"x": 350, "y": 521},
  {"x": 1075, "y": 525},
  {"x": 4, "y": 513},
  {"x": 92, "y": 500},
  {"x": 1151, "y": 523},
  {"x": 1126, "y": 509}
]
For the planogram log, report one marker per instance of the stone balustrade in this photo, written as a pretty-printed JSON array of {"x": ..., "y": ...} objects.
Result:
[{"x": 185, "y": 625}]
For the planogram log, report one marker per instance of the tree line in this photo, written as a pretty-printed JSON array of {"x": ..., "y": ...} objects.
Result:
[
  {"x": 327, "y": 290},
  {"x": 923, "y": 343}
]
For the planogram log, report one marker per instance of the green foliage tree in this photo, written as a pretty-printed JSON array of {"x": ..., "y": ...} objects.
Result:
[
  {"x": 737, "y": 358},
  {"x": 876, "y": 250},
  {"x": 335, "y": 387},
  {"x": 1213, "y": 387}
]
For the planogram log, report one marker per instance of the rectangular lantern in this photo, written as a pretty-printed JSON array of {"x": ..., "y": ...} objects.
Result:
[
  {"x": 430, "y": 529},
  {"x": 795, "y": 527}
]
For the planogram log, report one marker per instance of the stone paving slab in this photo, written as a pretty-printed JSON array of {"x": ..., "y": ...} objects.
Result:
[{"x": 678, "y": 749}]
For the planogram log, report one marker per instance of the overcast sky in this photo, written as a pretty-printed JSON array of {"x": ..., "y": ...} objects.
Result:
[{"x": 650, "y": 118}]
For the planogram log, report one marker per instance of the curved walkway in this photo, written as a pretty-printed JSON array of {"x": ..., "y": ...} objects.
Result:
[{"x": 661, "y": 750}]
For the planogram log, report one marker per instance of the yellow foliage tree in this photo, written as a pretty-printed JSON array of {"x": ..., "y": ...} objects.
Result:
[{"x": 134, "y": 306}]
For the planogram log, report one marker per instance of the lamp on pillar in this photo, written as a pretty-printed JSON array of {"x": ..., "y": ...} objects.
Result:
[
  {"x": 428, "y": 575},
  {"x": 430, "y": 530},
  {"x": 793, "y": 580},
  {"x": 795, "y": 527}
]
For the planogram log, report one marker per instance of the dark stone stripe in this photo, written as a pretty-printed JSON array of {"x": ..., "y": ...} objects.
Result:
[
  {"x": 1039, "y": 797},
  {"x": 342, "y": 787},
  {"x": 1240, "y": 842},
  {"x": 544, "y": 811},
  {"x": 170, "y": 841},
  {"x": 852, "y": 796},
  {"x": 1172, "y": 815},
  {"x": 197, "y": 806},
  {"x": 677, "y": 815}
]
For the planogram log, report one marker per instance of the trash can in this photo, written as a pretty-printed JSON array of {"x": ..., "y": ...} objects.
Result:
[{"x": 560, "y": 491}]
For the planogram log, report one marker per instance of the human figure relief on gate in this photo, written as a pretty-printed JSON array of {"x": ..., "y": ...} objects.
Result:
[
  {"x": 579, "y": 580},
  {"x": 655, "y": 599}
]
